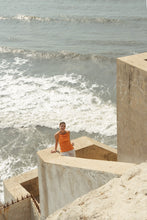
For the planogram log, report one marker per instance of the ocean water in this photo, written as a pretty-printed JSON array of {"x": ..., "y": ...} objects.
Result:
[{"x": 58, "y": 63}]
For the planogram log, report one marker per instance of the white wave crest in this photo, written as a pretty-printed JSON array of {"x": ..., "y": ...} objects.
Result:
[
  {"x": 63, "y": 55},
  {"x": 3, "y": 18},
  {"x": 75, "y": 19},
  {"x": 31, "y": 18},
  {"x": 72, "y": 19}
]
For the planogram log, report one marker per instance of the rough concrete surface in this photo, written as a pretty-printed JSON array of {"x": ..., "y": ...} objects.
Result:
[
  {"x": 132, "y": 108},
  {"x": 123, "y": 198},
  {"x": 18, "y": 211},
  {"x": 13, "y": 187}
]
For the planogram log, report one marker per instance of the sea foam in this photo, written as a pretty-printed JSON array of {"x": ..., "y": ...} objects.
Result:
[{"x": 47, "y": 100}]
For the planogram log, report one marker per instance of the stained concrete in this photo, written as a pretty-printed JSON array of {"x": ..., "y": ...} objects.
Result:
[
  {"x": 132, "y": 108},
  {"x": 18, "y": 211},
  {"x": 24, "y": 209}
]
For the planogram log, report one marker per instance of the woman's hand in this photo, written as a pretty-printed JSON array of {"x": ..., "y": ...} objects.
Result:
[{"x": 53, "y": 151}]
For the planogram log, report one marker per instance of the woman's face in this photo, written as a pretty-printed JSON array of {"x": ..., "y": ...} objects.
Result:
[{"x": 62, "y": 127}]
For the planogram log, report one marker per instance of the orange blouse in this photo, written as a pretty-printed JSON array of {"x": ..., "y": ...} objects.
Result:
[{"x": 64, "y": 141}]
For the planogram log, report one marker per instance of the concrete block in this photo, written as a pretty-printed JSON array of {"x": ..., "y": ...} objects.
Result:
[
  {"x": 25, "y": 184},
  {"x": 13, "y": 187},
  {"x": 132, "y": 108}
]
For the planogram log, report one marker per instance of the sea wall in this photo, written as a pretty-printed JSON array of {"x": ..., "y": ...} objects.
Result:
[
  {"x": 63, "y": 179},
  {"x": 132, "y": 108}
]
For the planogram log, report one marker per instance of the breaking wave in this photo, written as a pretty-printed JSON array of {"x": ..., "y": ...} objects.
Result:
[
  {"x": 35, "y": 101},
  {"x": 28, "y": 18},
  {"x": 66, "y": 55},
  {"x": 73, "y": 19}
]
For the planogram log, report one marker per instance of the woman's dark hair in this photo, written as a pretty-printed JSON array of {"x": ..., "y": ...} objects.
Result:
[{"x": 62, "y": 122}]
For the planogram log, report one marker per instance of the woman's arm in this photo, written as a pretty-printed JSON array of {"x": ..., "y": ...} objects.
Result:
[{"x": 56, "y": 143}]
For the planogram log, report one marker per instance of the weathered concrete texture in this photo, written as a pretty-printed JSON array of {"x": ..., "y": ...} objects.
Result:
[
  {"x": 24, "y": 209},
  {"x": 132, "y": 108},
  {"x": 122, "y": 198},
  {"x": 63, "y": 179},
  {"x": 25, "y": 184},
  {"x": 19, "y": 210},
  {"x": 86, "y": 147},
  {"x": 13, "y": 187}
]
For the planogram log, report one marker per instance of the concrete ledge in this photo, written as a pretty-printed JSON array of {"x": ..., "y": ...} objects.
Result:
[
  {"x": 101, "y": 165},
  {"x": 63, "y": 179},
  {"x": 13, "y": 187},
  {"x": 16, "y": 191}
]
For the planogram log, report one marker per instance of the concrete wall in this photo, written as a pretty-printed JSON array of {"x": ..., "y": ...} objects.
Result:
[
  {"x": 19, "y": 210},
  {"x": 63, "y": 179},
  {"x": 132, "y": 108},
  {"x": 13, "y": 187},
  {"x": 17, "y": 189},
  {"x": 24, "y": 209},
  {"x": 91, "y": 149}
]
